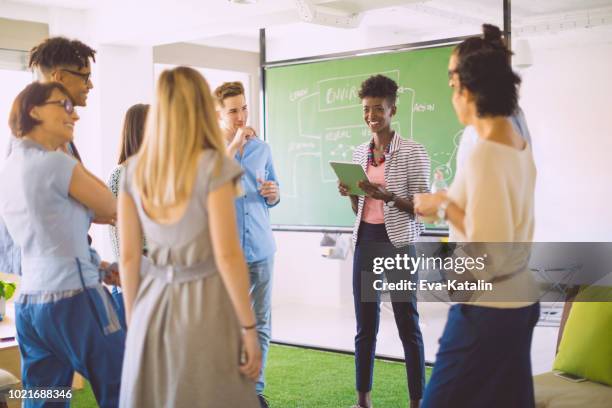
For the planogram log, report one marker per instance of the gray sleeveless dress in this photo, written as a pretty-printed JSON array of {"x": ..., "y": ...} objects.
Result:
[{"x": 183, "y": 343}]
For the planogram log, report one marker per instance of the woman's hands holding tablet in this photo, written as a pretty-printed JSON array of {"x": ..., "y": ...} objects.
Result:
[
  {"x": 375, "y": 191},
  {"x": 343, "y": 189}
]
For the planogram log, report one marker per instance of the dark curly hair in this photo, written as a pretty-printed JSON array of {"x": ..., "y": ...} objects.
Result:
[
  {"x": 484, "y": 69},
  {"x": 379, "y": 86},
  {"x": 35, "y": 94},
  {"x": 58, "y": 51}
]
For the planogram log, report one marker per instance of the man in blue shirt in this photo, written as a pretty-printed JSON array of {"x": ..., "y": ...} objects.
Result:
[{"x": 252, "y": 208}]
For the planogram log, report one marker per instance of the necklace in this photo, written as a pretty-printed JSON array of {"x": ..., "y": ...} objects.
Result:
[{"x": 375, "y": 162}]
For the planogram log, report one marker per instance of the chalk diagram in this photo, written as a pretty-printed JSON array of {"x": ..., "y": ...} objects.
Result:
[
  {"x": 442, "y": 161},
  {"x": 325, "y": 133}
]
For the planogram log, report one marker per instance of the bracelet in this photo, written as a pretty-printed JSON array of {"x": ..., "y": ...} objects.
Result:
[
  {"x": 251, "y": 327},
  {"x": 393, "y": 198}
]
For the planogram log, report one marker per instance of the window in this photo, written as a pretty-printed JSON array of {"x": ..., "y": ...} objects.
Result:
[
  {"x": 216, "y": 77},
  {"x": 14, "y": 76}
]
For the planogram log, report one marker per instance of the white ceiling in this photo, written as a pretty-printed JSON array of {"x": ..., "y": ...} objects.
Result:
[{"x": 224, "y": 24}]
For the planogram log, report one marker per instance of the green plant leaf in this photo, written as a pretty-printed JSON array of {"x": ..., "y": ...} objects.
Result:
[{"x": 7, "y": 289}]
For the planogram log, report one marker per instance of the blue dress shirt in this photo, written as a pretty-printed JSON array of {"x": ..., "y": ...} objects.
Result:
[{"x": 252, "y": 210}]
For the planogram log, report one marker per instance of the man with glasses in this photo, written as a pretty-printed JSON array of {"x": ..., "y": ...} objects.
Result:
[{"x": 59, "y": 59}]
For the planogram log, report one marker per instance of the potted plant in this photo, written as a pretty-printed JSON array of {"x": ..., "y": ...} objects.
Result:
[{"x": 6, "y": 292}]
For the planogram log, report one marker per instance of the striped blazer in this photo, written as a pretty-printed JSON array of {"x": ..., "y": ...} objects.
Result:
[{"x": 407, "y": 169}]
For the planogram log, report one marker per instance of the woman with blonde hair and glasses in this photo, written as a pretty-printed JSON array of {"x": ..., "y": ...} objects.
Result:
[{"x": 192, "y": 338}]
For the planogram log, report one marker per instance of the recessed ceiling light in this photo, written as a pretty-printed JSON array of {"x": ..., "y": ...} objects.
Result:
[{"x": 243, "y": 1}]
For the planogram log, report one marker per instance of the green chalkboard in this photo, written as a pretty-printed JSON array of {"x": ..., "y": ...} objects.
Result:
[{"x": 313, "y": 116}]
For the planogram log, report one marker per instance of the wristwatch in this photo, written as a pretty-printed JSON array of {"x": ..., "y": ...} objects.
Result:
[
  {"x": 442, "y": 209},
  {"x": 391, "y": 202}
]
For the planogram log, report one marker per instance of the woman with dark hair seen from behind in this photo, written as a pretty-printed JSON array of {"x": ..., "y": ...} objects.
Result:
[
  {"x": 131, "y": 138},
  {"x": 484, "y": 354},
  {"x": 64, "y": 316},
  {"x": 192, "y": 338}
]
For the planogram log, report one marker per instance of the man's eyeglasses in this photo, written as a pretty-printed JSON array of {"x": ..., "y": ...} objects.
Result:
[
  {"x": 84, "y": 77},
  {"x": 65, "y": 103}
]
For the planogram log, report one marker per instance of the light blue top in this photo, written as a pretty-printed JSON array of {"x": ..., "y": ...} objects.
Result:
[
  {"x": 469, "y": 138},
  {"x": 10, "y": 255},
  {"x": 252, "y": 210},
  {"x": 44, "y": 221}
]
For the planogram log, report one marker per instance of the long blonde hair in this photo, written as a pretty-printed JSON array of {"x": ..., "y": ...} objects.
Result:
[{"x": 182, "y": 123}]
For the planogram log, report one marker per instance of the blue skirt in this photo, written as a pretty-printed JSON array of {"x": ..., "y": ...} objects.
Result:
[{"x": 484, "y": 359}]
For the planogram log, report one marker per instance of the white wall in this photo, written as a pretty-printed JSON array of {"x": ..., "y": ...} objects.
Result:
[
  {"x": 567, "y": 98},
  {"x": 303, "y": 276}
]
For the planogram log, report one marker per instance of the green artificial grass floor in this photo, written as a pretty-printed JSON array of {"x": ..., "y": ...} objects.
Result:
[{"x": 302, "y": 378}]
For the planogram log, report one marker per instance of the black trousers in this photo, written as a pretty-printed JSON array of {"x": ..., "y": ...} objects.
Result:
[{"x": 373, "y": 241}]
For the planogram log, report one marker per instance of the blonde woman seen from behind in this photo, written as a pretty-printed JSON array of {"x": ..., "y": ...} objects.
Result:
[{"x": 192, "y": 338}]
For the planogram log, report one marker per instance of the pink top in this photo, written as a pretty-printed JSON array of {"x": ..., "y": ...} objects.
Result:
[{"x": 373, "y": 212}]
